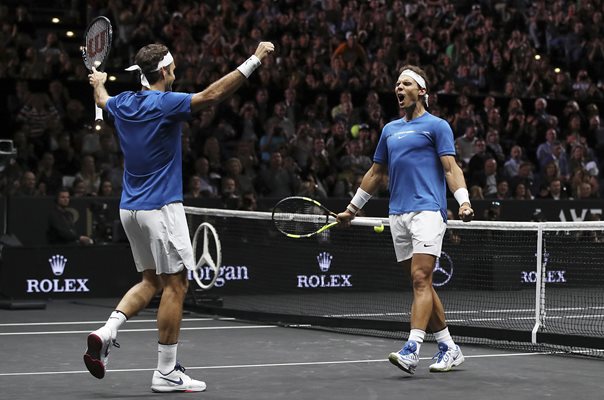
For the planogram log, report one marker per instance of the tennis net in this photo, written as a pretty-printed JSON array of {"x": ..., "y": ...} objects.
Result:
[{"x": 536, "y": 286}]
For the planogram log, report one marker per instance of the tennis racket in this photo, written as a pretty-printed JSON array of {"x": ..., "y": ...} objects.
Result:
[
  {"x": 95, "y": 51},
  {"x": 302, "y": 217}
]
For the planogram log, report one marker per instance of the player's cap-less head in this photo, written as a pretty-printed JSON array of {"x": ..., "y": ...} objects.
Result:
[
  {"x": 411, "y": 87},
  {"x": 154, "y": 62}
]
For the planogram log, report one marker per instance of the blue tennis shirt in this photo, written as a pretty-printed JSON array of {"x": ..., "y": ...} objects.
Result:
[
  {"x": 148, "y": 124},
  {"x": 412, "y": 151}
]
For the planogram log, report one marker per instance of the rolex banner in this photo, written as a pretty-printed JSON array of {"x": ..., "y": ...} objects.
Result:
[{"x": 71, "y": 271}]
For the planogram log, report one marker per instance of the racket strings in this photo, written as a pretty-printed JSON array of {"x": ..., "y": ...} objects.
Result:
[
  {"x": 299, "y": 217},
  {"x": 98, "y": 44}
]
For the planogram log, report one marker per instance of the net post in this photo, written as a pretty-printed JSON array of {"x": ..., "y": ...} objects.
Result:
[{"x": 539, "y": 285}]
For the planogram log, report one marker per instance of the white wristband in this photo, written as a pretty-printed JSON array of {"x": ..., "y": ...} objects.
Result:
[
  {"x": 360, "y": 198},
  {"x": 351, "y": 209},
  {"x": 462, "y": 196},
  {"x": 249, "y": 66}
]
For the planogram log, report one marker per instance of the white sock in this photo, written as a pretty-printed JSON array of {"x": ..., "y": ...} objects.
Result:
[
  {"x": 166, "y": 357},
  {"x": 115, "y": 321},
  {"x": 444, "y": 337},
  {"x": 417, "y": 335}
]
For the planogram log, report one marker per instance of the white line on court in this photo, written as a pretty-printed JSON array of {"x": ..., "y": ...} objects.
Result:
[
  {"x": 130, "y": 321},
  {"x": 204, "y": 328},
  {"x": 297, "y": 364}
]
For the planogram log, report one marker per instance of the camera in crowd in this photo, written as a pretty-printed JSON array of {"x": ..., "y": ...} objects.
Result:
[{"x": 493, "y": 213}]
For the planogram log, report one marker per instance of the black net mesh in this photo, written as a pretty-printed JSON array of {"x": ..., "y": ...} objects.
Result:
[{"x": 348, "y": 279}]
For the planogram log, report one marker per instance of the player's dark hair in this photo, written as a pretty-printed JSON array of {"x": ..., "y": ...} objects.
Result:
[
  {"x": 148, "y": 57},
  {"x": 418, "y": 71}
]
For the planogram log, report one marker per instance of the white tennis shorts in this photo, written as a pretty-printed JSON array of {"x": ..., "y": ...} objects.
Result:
[
  {"x": 159, "y": 238},
  {"x": 417, "y": 232}
]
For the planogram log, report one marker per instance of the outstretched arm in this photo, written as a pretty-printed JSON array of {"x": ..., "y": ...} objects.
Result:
[
  {"x": 228, "y": 84},
  {"x": 457, "y": 185}
]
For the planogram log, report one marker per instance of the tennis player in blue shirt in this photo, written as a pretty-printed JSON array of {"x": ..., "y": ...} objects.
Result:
[
  {"x": 417, "y": 153},
  {"x": 148, "y": 124}
]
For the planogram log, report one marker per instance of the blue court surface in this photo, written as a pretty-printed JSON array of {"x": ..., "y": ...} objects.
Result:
[{"x": 42, "y": 359}]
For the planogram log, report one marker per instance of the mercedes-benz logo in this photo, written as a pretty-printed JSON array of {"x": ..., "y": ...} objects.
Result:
[
  {"x": 206, "y": 257},
  {"x": 443, "y": 270}
]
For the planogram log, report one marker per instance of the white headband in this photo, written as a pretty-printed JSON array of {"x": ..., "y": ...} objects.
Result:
[
  {"x": 167, "y": 60},
  {"x": 417, "y": 78}
]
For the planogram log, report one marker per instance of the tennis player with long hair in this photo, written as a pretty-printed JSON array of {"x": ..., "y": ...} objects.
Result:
[
  {"x": 417, "y": 153},
  {"x": 148, "y": 124}
]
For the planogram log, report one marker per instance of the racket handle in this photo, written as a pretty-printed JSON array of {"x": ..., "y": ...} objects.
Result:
[{"x": 98, "y": 113}]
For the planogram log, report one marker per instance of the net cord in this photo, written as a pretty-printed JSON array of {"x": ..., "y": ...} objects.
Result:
[{"x": 454, "y": 224}]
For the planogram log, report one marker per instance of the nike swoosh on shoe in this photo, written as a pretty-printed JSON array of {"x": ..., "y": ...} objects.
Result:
[{"x": 178, "y": 382}]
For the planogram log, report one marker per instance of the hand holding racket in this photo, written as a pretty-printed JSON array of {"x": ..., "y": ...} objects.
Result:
[
  {"x": 95, "y": 51},
  {"x": 302, "y": 217}
]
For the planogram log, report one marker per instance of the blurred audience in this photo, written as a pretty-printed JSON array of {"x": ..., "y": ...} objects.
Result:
[{"x": 522, "y": 87}]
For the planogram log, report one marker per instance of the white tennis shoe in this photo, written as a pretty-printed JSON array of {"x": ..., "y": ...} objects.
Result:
[
  {"x": 175, "y": 381},
  {"x": 97, "y": 353},
  {"x": 446, "y": 358},
  {"x": 406, "y": 358}
]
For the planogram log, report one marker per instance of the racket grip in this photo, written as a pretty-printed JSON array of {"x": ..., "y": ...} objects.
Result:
[{"x": 98, "y": 113}]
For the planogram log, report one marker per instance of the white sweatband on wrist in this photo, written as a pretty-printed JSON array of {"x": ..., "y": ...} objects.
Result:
[
  {"x": 360, "y": 198},
  {"x": 462, "y": 196},
  {"x": 351, "y": 209},
  {"x": 249, "y": 66}
]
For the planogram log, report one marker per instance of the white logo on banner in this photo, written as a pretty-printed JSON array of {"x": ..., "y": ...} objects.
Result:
[
  {"x": 324, "y": 260},
  {"x": 554, "y": 276},
  {"x": 443, "y": 270},
  {"x": 57, "y": 264},
  {"x": 227, "y": 273}
]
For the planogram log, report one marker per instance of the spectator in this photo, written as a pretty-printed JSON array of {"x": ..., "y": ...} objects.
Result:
[
  {"x": 89, "y": 175},
  {"x": 476, "y": 163},
  {"x": 584, "y": 191},
  {"x": 48, "y": 175},
  {"x": 208, "y": 181},
  {"x": 513, "y": 163},
  {"x": 556, "y": 191},
  {"x": 301, "y": 145},
  {"x": 61, "y": 223},
  {"x": 279, "y": 119},
  {"x": 524, "y": 177},
  {"x": 27, "y": 185},
  {"x": 503, "y": 190},
  {"x": 558, "y": 156},
  {"x": 466, "y": 144},
  {"x": 106, "y": 189},
  {"x": 494, "y": 148},
  {"x": 521, "y": 192},
  {"x": 351, "y": 52},
  {"x": 273, "y": 141},
  {"x": 544, "y": 151},
  {"x": 487, "y": 177},
  {"x": 233, "y": 169},
  {"x": 274, "y": 180}
]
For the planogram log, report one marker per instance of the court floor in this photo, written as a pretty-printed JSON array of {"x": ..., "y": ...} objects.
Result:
[{"x": 42, "y": 353}]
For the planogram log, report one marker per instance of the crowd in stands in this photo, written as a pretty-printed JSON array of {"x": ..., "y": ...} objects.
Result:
[{"x": 309, "y": 119}]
